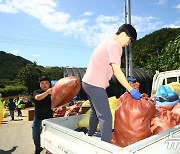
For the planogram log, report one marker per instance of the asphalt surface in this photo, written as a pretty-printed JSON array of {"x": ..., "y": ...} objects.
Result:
[{"x": 16, "y": 136}]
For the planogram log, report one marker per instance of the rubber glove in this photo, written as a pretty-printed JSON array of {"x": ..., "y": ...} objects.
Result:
[{"x": 135, "y": 93}]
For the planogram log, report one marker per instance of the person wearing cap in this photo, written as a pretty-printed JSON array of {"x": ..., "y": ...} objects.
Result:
[
  {"x": 106, "y": 61},
  {"x": 42, "y": 100}
]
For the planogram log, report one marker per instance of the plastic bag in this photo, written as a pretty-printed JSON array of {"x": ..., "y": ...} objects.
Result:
[
  {"x": 84, "y": 122},
  {"x": 166, "y": 96},
  {"x": 64, "y": 90},
  {"x": 132, "y": 119},
  {"x": 162, "y": 122},
  {"x": 176, "y": 113},
  {"x": 175, "y": 86},
  {"x": 59, "y": 112}
]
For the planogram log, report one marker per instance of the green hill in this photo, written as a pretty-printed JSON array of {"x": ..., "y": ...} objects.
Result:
[
  {"x": 147, "y": 49},
  {"x": 10, "y": 64}
]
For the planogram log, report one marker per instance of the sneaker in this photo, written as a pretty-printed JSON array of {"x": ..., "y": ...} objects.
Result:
[{"x": 38, "y": 151}]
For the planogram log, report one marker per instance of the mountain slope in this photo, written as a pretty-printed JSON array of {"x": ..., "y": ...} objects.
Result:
[
  {"x": 152, "y": 45},
  {"x": 10, "y": 64}
]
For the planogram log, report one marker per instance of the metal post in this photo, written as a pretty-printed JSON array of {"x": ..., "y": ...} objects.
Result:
[
  {"x": 126, "y": 48},
  {"x": 130, "y": 46},
  {"x": 129, "y": 11}
]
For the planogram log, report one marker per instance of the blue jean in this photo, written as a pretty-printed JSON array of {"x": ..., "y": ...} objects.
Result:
[
  {"x": 100, "y": 111},
  {"x": 36, "y": 131}
]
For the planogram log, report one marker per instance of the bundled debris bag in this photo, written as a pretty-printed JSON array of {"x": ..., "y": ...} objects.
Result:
[
  {"x": 160, "y": 109},
  {"x": 132, "y": 119},
  {"x": 84, "y": 107},
  {"x": 64, "y": 90},
  {"x": 84, "y": 122},
  {"x": 176, "y": 113},
  {"x": 59, "y": 112},
  {"x": 162, "y": 122},
  {"x": 66, "y": 110},
  {"x": 166, "y": 96},
  {"x": 72, "y": 110},
  {"x": 175, "y": 86}
]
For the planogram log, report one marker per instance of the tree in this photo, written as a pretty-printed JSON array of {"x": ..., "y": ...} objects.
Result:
[
  {"x": 147, "y": 51},
  {"x": 54, "y": 73},
  {"x": 170, "y": 58},
  {"x": 29, "y": 76},
  {"x": 167, "y": 59}
]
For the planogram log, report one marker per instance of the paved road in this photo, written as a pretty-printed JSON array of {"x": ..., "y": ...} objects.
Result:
[{"x": 16, "y": 136}]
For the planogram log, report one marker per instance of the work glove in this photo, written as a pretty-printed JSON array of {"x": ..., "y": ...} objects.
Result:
[{"x": 135, "y": 94}]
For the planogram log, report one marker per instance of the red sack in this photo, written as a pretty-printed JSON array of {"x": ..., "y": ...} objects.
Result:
[
  {"x": 72, "y": 110},
  {"x": 176, "y": 113},
  {"x": 132, "y": 119},
  {"x": 59, "y": 112},
  {"x": 164, "y": 108},
  {"x": 162, "y": 122},
  {"x": 161, "y": 109},
  {"x": 64, "y": 90}
]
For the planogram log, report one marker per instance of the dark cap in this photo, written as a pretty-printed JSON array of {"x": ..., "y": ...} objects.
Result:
[{"x": 129, "y": 30}]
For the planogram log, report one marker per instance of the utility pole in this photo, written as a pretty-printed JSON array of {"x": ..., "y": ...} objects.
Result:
[{"x": 128, "y": 49}]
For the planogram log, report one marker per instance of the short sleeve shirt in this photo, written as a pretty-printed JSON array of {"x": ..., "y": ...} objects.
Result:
[
  {"x": 42, "y": 107},
  {"x": 99, "y": 70}
]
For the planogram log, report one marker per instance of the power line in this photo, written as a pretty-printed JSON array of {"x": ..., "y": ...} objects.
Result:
[
  {"x": 40, "y": 37},
  {"x": 41, "y": 43}
]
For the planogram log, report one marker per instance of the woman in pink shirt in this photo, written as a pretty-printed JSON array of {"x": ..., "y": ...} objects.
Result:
[{"x": 106, "y": 61}]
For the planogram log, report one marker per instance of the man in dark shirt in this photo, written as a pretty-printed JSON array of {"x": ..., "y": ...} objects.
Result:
[{"x": 42, "y": 100}]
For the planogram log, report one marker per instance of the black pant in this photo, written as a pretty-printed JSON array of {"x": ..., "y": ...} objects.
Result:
[{"x": 19, "y": 112}]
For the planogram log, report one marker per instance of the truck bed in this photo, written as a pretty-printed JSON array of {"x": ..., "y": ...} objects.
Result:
[{"x": 58, "y": 136}]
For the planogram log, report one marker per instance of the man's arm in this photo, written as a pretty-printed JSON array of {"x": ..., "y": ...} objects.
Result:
[
  {"x": 43, "y": 95},
  {"x": 121, "y": 77}
]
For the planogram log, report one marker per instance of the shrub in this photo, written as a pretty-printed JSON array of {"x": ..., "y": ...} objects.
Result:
[{"x": 13, "y": 90}]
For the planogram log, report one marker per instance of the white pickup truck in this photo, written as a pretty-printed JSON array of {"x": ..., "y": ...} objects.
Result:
[{"x": 58, "y": 135}]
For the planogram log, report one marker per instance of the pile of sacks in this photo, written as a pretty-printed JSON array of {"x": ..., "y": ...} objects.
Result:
[
  {"x": 138, "y": 119},
  {"x": 134, "y": 120},
  {"x": 64, "y": 111}
]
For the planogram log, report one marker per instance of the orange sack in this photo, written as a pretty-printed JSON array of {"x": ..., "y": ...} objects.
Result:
[
  {"x": 72, "y": 110},
  {"x": 132, "y": 119},
  {"x": 59, "y": 112},
  {"x": 64, "y": 90},
  {"x": 176, "y": 113},
  {"x": 162, "y": 122}
]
